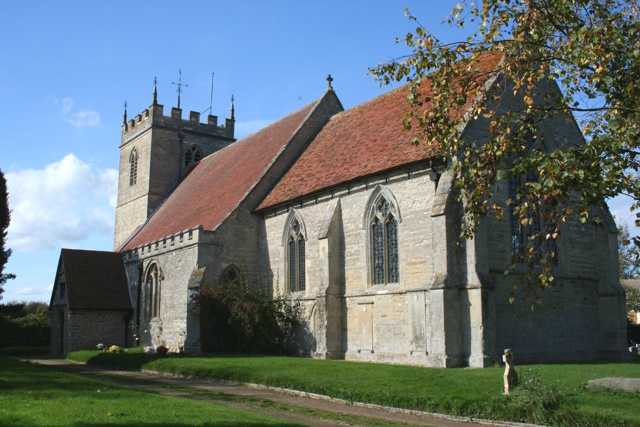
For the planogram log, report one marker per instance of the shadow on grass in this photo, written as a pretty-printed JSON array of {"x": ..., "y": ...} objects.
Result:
[{"x": 212, "y": 424}]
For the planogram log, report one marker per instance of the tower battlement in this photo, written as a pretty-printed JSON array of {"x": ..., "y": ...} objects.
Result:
[{"x": 154, "y": 116}]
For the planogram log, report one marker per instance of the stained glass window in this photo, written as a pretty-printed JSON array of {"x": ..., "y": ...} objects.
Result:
[
  {"x": 392, "y": 251},
  {"x": 296, "y": 256},
  {"x": 527, "y": 236},
  {"x": 301, "y": 263},
  {"x": 378, "y": 253},
  {"x": 292, "y": 264},
  {"x": 384, "y": 244}
]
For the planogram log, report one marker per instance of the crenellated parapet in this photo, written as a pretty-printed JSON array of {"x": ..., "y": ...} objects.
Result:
[
  {"x": 172, "y": 242},
  {"x": 154, "y": 116}
]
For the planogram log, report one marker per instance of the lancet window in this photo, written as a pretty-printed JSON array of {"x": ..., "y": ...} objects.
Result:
[
  {"x": 152, "y": 292},
  {"x": 133, "y": 167},
  {"x": 295, "y": 254}
]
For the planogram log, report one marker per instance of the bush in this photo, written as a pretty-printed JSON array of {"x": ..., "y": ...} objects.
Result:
[
  {"x": 533, "y": 402},
  {"x": 24, "y": 324},
  {"x": 240, "y": 318}
]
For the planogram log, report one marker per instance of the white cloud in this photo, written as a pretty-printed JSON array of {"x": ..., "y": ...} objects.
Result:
[
  {"x": 84, "y": 118},
  {"x": 63, "y": 203},
  {"x": 79, "y": 118}
]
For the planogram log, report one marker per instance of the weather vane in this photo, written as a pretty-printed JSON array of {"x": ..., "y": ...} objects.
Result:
[{"x": 179, "y": 84}]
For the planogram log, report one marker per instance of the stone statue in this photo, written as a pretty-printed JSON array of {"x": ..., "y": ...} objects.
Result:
[{"x": 510, "y": 374}]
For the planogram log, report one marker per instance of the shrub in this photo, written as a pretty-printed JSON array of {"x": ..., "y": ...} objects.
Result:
[
  {"x": 24, "y": 324},
  {"x": 237, "y": 317},
  {"x": 533, "y": 402}
]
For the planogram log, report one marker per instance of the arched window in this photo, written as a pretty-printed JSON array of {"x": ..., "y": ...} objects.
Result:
[
  {"x": 522, "y": 236},
  {"x": 381, "y": 221},
  {"x": 294, "y": 239},
  {"x": 133, "y": 167},
  {"x": 152, "y": 292},
  {"x": 231, "y": 275},
  {"x": 192, "y": 156}
]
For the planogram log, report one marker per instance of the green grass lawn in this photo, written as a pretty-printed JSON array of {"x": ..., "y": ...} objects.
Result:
[
  {"x": 468, "y": 392},
  {"x": 33, "y": 395}
]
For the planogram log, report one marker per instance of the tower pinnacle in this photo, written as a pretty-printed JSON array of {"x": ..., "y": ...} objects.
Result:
[
  {"x": 155, "y": 91},
  {"x": 232, "y": 110},
  {"x": 124, "y": 119}
]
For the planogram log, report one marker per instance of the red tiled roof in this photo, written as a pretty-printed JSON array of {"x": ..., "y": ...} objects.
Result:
[
  {"x": 219, "y": 182},
  {"x": 365, "y": 140},
  {"x": 95, "y": 280}
]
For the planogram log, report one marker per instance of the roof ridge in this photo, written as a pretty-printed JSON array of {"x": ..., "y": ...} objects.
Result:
[{"x": 283, "y": 147}]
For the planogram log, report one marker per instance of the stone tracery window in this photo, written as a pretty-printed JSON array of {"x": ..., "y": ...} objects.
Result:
[
  {"x": 152, "y": 292},
  {"x": 522, "y": 236},
  {"x": 384, "y": 244},
  {"x": 295, "y": 254},
  {"x": 133, "y": 167},
  {"x": 231, "y": 275},
  {"x": 192, "y": 156}
]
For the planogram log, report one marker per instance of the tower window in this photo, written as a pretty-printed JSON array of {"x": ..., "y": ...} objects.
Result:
[
  {"x": 133, "y": 167},
  {"x": 192, "y": 156}
]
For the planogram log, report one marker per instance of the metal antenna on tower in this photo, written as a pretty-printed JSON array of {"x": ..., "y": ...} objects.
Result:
[
  {"x": 210, "y": 109},
  {"x": 179, "y": 84}
]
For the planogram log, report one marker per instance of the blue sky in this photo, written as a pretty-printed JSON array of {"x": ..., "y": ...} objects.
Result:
[{"x": 69, "y": 67}]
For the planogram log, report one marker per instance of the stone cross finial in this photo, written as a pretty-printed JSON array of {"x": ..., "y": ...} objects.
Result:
[
  {"x": 329, "y": 80},
  {"x": 124, "y": 119}
]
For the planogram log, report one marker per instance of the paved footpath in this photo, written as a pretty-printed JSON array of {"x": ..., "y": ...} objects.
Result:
[{"x": 277, "y": 395}]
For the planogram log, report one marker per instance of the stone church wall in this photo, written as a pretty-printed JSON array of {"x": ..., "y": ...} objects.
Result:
[
  {"x": 176, "y": 257},
  {"x": 84, "y": 329},
  {"x": 381, "y": 322}
]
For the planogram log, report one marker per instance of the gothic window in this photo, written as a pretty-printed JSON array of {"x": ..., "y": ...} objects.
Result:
[
  {"x": 382, "y": 228},
  {"x": 295, "y": 254},
  {"x": 133, "y": 167},
  {"x": 192, "y": 156},
  {"x": 152, "y": 292},
  {"x": 231, "y": 275},
  {"x": 522, "y": 239}
]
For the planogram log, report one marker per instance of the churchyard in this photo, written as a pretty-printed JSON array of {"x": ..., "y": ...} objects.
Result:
[
  {"x": 551, "y": 394},
  {"x": 33, "y": 395}
]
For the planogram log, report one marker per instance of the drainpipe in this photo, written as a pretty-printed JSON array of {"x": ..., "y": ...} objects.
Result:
[{"x": 138, "y": 301}]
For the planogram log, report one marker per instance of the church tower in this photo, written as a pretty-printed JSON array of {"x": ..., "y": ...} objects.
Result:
[{"x": 155, "y": 152}]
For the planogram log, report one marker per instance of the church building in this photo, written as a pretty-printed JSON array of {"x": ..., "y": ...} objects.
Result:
[{"x": 339, "y": 210}]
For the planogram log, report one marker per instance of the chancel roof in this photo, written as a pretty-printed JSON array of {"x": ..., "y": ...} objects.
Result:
[
  {"x": 362, "y": 141},
  {"x": 219, "y": 182},
  {"x": 94, "y": 280}
]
